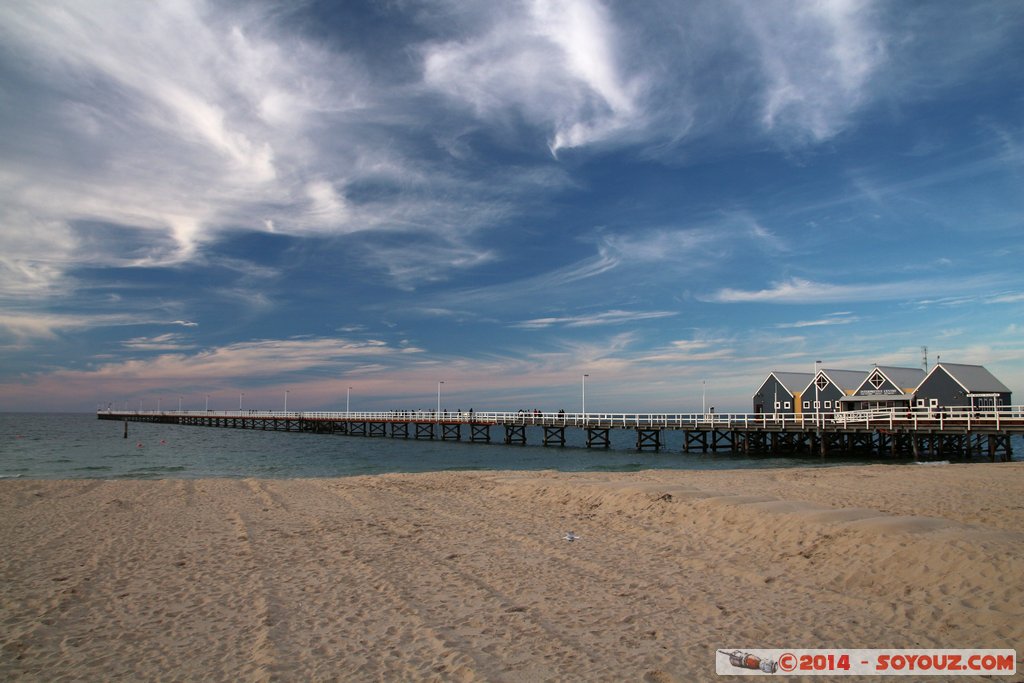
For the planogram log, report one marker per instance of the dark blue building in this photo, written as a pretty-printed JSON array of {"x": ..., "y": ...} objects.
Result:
[
  {"x": 951, "y": 384},
  {"x": 780, "y": 392}
]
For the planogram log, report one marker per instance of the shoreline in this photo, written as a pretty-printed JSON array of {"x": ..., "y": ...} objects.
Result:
[{"x": 466, "y": 575}]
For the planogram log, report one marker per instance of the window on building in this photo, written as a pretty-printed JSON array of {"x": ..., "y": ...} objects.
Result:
[
  {"x": 786, "y": 405},
  {"x": 876, "y": 379},
  {"x": 777, "y": 405},
  {"x": 933, "y": 402},
  {"x": 828, "y": 404},
  {"x": 807, "y": 405},
  {"x": 817, "y": 404},
  {"x": 920, "y": 403},
  {"x": 822, "y": 382}
]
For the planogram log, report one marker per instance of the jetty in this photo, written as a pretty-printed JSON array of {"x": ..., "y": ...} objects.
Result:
[{"x": 947, "y": 433}]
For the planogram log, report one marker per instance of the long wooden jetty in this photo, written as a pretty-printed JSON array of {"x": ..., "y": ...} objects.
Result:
[{"x": 959, "y": 433}]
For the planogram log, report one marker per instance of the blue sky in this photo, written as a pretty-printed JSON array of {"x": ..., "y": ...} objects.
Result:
[{"x": 216, "y": 198}]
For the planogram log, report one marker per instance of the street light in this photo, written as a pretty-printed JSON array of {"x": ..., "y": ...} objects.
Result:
[
  {"x": 286, "y": 400},
  {"x": 207, "y": 403},
  {"x": 348, "y": 399},
  {"x": 817, "y": 402},
  {"x": 703, "y": 396},
  {"x": 179, "y": 404},
  {"x": 584, "y": 391},
  {"x": 439, "y": 396},
  {"x": 240, "y": 401}
]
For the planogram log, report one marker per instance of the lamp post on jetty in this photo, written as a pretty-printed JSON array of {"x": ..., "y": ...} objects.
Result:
[
  {"x": 439, "y": 396},
  {"x": 286, "y": 400},
  {"x": 348, "y": 399},
  {"x": 817, "y": 402},
  {"x": 207, "y": 403},
  {"x": 240, "y": 395},
  {"x": 584, "y": 396}
]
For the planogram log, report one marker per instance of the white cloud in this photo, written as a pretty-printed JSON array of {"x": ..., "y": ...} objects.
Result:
[
  {"x": 25, "y": 327},
  {"x": 327, "y": 207},
  {"x": 817, "y": 59},
  {"x": 832, "y": 319},
  {"x": 691, "y": 351},
  {"x": 243, "y": 360},
  {"x": 1009, "y": 298},
  {"x": 186, "y": 119},
  {"x": 555, "y": 62},
  {"x": 801, "y": 291},
  {"x": 647, "y": 246},
  {"x": 163, "y": 342},
  {"x": 614, "y": 317}
]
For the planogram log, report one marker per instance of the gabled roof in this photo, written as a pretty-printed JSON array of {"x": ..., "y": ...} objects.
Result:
[
  {"x": 973, "y": 378},
  {"x": 793, "y": 381},
  {"x": 847, "y": 380},
  {"x": 907, "y": 379}
]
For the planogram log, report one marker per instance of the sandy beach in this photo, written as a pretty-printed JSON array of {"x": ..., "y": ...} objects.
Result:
[{"x": 467, "y": 576}]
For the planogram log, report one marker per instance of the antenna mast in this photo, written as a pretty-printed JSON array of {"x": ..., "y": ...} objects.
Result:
[{"x": 924, "y": 358}]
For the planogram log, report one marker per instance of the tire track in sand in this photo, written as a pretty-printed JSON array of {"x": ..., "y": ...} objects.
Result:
[
  {"x": 663, "y": 595},
  {"x": 341, "y": 605},
  {"x": 530, "y": 582}
]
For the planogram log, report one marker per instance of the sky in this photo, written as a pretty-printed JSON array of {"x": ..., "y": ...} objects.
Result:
[{"x": 347, "y": 203}]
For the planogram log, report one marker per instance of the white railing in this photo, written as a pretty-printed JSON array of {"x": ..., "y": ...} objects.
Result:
[
  {"x": 886, "y": 418},
  {"x": 941, "y": 418}
]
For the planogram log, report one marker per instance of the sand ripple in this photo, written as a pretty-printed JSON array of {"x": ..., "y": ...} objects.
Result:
[{"x": 466, "y": 576}]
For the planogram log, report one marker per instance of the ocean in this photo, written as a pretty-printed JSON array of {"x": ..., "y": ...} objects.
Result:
[{"x": 75, "y": 446}]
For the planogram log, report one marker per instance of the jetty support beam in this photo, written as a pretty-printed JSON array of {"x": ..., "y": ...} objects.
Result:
[
  {"x": 554, "y": 436},
  {"x": 722, "y": 438},
  {"x": 480, "y": 433},
  {"x": 515, "y": 434},
  {"x": 597, "y": 437},
  {"x": 699, "y": 438},
  {"x": 648, "y": 439}
]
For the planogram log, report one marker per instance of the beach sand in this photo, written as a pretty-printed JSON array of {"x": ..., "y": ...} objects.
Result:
[{"x": 466, "y": 576}]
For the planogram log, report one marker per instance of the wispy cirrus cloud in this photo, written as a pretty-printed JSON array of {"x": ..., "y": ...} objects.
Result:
[
  {"x": 185, "y": 121},
  {"x": 25, "y": 326},
  {"x": 271, "y": 357},
  {"x": 613, "y": 317},
  {"x": 163, "y": 342},
  {"x": 802, "y": 291},
  {"x": 817, "y": 60},
  {"x": 691, "y": 351},
  {"x": 843, "y": 318},
  {"x": 1008, "y": 298},
  {"x": 555, "y": 62}
]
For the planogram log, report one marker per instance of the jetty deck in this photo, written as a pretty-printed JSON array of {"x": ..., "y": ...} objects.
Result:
[{"x": 959, "y": 433}]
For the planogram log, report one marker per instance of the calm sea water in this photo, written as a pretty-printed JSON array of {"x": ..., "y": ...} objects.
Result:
[{"x": 65, "y": 446}]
